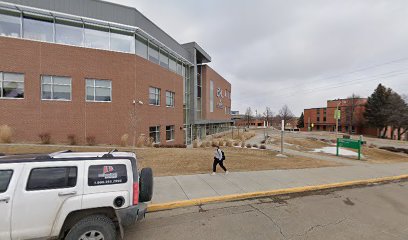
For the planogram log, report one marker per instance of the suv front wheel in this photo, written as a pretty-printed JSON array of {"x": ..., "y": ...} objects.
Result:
[{"x": 96, "y": 227}]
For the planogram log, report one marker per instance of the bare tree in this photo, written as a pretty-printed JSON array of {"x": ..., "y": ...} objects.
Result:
[
  {"x": 286, "y": 114},
  {"x": 350, "y": 112},
  {"x": 248, "y": 115},
  {"x": 268, "y": 114}
]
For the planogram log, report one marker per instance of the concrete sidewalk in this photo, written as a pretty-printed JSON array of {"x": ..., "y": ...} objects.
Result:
[{"x": 178, "y": 188}]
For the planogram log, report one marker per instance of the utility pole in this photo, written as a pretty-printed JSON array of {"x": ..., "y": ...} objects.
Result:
[{"x": 283, "y": 129}]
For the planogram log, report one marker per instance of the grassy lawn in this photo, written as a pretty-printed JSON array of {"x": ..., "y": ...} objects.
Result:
[{"x": 174, "y": 161}]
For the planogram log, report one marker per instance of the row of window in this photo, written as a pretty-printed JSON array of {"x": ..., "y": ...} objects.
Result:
[
  {"x": 154, "y": 97},
  {"x": 63, "y": 177},
  {"x": 85, "y": 34},
  {"x": 154, "y": 133},
  {"x": 55, "y": 88},
  {"x": 60, "y": 88}
]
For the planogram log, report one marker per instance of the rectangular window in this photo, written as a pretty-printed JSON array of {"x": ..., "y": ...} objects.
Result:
[
  {"x": 153, "y": 53},
  {"x": 154, "y": 96},
  {"x": 96, "y": 36},
  {"x": 122, "y": 41},
  {"x": 11, "y": 85},
  {"x": 5, "y": 177},
  {"x": 173, "y": 65},
  {"x": 69, "y": 32},
  {"x": 211, "y": 96},
  {"x": 179, "y": 68},
  {"x": 52, "y": 178},
  {"x": 107, "y": 174},
  {"x": 169, "y": 99},
  {"x": 98, "y": 90},
  {"x": 169, "y": 133},
  {"x": 154, "y": 133},
  {"x": 141, "y": 46},
  {"x": 164, "y": 58},
  {"x": 38, "y": 27},
  {"x": 10, "y": 23},
  {"x": 55, "y": 88}
]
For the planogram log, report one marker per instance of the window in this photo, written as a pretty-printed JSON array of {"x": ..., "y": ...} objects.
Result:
[
  {"x": 169, "y": 99},
  {"x": 5, "y": 177},
  {"x": 98, "y": 90},
  {"x": 318, "y": 119},
  {"x": 38, "y": 27},
  {"x": 96, "y": 36},
  {"x": 154, "y": 96},
  {"x": 107, "y": 174},
  {"x": 153, "y": 53},
  {"x": 173, "y": 65},
  {"x": 52, "y": 178},
  {"x": 154, "y": 133},
  {"x": 10, "y": 23},
  {"x": 211, "y": 96},
  {"x": 122, "y": 41},
  {"x": 179, "y": 68},
  {"x": 141, "y": 46},
  {"x": 164, "y": 58},
  {"x": 55, "y": 88},
  {"x": 11, "y": 85},
  {"x": 169, "y": 133},
  {"x": 69, "y": 32}
]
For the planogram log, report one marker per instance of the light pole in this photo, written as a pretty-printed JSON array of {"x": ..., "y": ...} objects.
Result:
[{"x": 337, "y": 116}]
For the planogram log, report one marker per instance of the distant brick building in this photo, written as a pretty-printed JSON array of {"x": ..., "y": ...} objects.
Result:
[{"x": 351, "y": 120}]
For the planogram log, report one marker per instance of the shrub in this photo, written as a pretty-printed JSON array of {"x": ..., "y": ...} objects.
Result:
[
  {"x": 249, "y": 145},
  {"x": 208, "y": 144},
  {"x": 149, "y": 142},
  {"x": 5, "y": 134},
  {"x": 221, "y": 143},
  {"x": 124, "y": 140},
  {"x": 255, "y": 145},
  {"x": 228, "y": 144},
  {"x": 242, "y": 144},
  {"x": 203, "y": 145},
  {"x": 72, "y": 140},
  {"x": 236, "y": 144},
  {"x": 45, "y": 138},
  {"x": 140, "y": 141},
  {"x": 263, "y": 142},
  {"x": 262, "y": 147},
  {"x": 156, "y": 145},
  {"x": 180, "y": 146},
  {"x": 91, "y": 140},
  {"x": 195, "y": 144},
  {"x": 214, "y": 143}
]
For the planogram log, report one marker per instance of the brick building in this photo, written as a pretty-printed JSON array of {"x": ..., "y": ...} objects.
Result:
[
  {"x": 93, "y": 68},
  {"x": 351, "y": 120}
]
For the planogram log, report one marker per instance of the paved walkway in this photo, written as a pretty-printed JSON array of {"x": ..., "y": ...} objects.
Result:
[{"x": 175, "y": 188}]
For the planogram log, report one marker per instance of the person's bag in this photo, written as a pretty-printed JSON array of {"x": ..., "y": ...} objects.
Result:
[{"x": 223, "y": 155}]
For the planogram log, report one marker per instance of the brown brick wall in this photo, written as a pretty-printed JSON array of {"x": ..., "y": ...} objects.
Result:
[
  {"x": 219, "y": 82},
  {"x": 131, "y": 77}
]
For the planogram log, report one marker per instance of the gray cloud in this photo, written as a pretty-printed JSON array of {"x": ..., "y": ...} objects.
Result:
[{"x": 299, "y": 53}]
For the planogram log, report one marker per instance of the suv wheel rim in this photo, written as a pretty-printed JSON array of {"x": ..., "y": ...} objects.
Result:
[{"x": 92, "y": 235}]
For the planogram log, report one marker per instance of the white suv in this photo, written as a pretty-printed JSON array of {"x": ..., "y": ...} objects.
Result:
[{"x": 74, "y": 196}]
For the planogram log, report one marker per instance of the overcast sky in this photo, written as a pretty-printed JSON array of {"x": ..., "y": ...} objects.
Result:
[{"x": 298, "y": 53}]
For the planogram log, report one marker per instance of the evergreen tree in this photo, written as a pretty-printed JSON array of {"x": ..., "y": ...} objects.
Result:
[
  {"x": 376, "y": 112},
  {"x": 397, "y": 111},
  {"x": 301, "y": 121}
]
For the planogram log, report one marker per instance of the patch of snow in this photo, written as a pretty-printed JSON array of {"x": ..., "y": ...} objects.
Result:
[
  {"x": 281, "y": 155},
  {"x": 332, "y": 150}
]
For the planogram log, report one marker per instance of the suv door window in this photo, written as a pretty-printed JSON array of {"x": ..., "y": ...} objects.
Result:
[
  {"x": 5, "y": 177},
  {"x": 107, "y": 174},
  {"x": 52, "y": 178}
]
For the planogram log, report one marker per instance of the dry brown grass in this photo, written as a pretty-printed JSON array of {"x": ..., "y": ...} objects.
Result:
[
  {"x": 376, "y": 155},
  {"x": 305, "y": 144},
  {"x": 175, "y": 161}
]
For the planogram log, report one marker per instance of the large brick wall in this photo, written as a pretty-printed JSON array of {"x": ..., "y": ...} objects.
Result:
[
  {"x": 131, "y": 78},
  {"x": 209, "y": 74}
]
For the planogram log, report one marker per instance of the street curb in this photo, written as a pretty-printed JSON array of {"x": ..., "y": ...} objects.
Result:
[{"x": 200, "y": 201}]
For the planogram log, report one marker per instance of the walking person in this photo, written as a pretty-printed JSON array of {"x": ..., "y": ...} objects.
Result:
[{"x": 219, "y": 158}]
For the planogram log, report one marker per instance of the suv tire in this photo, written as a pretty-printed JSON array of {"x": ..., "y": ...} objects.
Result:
[
  {"x": 93, "y": 227},
  {"x": 146, "y": 185}
]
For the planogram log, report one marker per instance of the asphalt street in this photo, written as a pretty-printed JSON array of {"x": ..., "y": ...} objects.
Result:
[{"x": 370, "y": 212}]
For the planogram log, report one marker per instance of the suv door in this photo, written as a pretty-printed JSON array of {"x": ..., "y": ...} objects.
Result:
[
  {"x": 44, "y": 192},
  {"x": 8, "y": 179}
]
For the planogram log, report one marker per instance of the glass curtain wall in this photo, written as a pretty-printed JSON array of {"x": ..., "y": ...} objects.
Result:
[{"x": 10, "y": 23}]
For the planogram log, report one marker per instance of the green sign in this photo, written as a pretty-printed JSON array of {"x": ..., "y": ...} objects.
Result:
[
  {"x": 349, "y": 143},
  {"x": 337, "y": 114}
]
